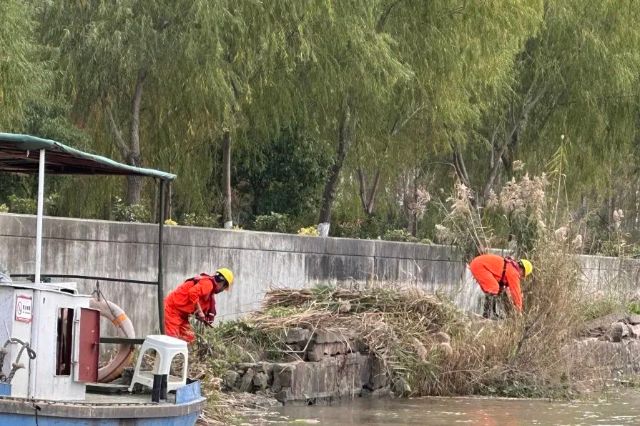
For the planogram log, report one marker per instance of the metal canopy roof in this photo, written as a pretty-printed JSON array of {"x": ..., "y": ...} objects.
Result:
[{"x": 19, "y": 154}]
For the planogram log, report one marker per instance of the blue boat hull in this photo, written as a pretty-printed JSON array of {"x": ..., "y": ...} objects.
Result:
[
  {"x": 25, "y": 420},
  {"x": 125, "y": 410}
]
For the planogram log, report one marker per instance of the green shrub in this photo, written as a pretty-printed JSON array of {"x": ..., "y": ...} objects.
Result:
[
  {"x": 368, "y": 228},
  {"x": 274, "y": 222},
  {"x": 29, "y": 205},
  {"x": 133, "y": 213},
  {"x": 399, "y": 235},
  {"x": 22, "y": 205},
  {"x": 599, "y": 307},
  {"x": 348, "y": 229},
  {"x": 634, "y": 307},
  {"x": 204, "y": 220}
]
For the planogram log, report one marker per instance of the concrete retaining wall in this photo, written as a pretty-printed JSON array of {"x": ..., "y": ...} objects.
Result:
[{"x": 259, "y": 260}]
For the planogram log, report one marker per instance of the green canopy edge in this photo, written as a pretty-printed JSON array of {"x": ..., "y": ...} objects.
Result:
[{"x": 81, "y": 159}]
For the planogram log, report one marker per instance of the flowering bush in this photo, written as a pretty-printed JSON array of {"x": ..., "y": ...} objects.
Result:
[
  {"x": 311, "y": 231},
  {"x": 130, "y": 213}
]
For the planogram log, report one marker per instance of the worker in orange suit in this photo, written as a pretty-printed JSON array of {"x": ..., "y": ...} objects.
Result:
[
  {"x": 495, "y": 274},
  {"x": 195, "y": 296}
]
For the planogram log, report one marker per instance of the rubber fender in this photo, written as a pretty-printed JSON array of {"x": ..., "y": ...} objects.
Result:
[{"x": 121, "y": 321}]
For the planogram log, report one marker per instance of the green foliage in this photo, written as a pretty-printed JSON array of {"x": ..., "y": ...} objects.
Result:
[
  {"x": 399, "y": 235},
  {"x": 203, "y": 220},
  {"x": 371, "y": 227},
  {"x": 130, "y": 213},
  {"x": 24, "y": 74},
  {"x": 217, "y": 339},
  {"x": 282, "y": 311},
  {"x": 231, "y": 342},
  {"x": 4, "y": 208},
  {"x": 283, "y": 175},
  {"x": 420, "y": 80},
  {"x": 273, "y": 222},
  {"x": 49, "y": 119},
  {"x": 634, "y": 307},
  {"x": 599, "y": 307},
  {"x": 22, "y": 205}
]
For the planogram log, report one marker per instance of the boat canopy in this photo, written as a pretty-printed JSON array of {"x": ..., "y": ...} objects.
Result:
[
  {"x": 30, "y": 154},
  {"x": 20, "y": 154}
]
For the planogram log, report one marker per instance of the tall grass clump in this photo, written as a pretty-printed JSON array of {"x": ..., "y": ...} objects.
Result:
[
  {"x": 429, "y": 347},
  {"x": 525, "y": 354},
  {"x": 405, "y": 328}
]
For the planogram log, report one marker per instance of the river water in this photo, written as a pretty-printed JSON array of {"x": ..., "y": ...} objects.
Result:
[{"x": 614, "y": 409}]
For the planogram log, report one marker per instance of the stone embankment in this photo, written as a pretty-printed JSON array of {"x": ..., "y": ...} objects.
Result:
[
  {"x": 610, "y": 344},
  {"x": 329, "y": 366}
]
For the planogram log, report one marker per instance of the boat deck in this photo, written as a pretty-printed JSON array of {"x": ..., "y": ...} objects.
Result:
[
  {"x": 105, "y": 406},
  {"x": 124, "y": 398}
]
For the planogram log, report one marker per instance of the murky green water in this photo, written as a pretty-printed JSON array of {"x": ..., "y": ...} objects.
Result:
[{"x": 618, "y": 409}]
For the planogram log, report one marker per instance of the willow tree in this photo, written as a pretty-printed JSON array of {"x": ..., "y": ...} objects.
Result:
[
  {"x": 345, "y": 66},
  {"x": 461, "y": 55},
  {"x": 110, "y": 55},
  {"x": 575, "y": 97},
  {"x": 239, "y": 87},
  {"x": 24, "y": 75}
]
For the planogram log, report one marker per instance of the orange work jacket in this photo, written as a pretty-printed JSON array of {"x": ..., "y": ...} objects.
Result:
[
  {"x": 195, "y": 290},
  {"x": 489, "y": 269}
]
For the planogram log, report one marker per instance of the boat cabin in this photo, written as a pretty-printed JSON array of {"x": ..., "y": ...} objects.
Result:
[{"x": 50, "y": 339}]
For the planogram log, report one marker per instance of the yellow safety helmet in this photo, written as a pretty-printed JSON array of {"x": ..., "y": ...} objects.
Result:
[
  {"x": 527, "y": 266},
  {"x": 228, "y": 275}
]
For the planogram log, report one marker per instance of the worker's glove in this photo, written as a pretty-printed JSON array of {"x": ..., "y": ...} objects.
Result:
[
  {"x": 210, "y": 317},
  {"x": 201, "y": 316}
]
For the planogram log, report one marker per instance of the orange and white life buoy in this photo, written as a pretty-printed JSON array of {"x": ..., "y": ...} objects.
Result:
[{"x": 119, "y": 318}]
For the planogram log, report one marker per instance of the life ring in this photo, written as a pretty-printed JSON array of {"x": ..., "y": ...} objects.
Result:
[{"x": 119, "y": 318}]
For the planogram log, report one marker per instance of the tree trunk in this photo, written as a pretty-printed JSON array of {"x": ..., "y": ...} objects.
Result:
[
  {"x": 328, "y": 196},
  {"x": 497, "y": 155},
  {"x": 226, "y": 179},
  {"x": 368, "y": 195},
  {"x": 134, "y": 183},
  {"x": 414, "y": 213}
]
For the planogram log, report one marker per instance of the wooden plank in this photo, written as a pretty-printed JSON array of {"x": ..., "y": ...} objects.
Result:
[
  {"x": 106, "y": 388},
  {"x": 120, "y": 340}
]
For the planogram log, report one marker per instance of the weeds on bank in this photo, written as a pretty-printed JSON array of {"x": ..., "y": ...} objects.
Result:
[
  {"x": 524, "y": 354},
  {"x": 402, "y": 326},
  {"x": 217, "y": 350},
  {"x": 429, "y": 347}
]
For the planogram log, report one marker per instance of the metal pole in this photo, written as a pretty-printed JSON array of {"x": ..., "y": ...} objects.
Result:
[
  {"x": 160, "y": 263},
  {"x": 39, "y": 216}
]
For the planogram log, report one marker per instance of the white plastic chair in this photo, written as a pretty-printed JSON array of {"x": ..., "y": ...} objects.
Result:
[{"x": 166, "y": 348}]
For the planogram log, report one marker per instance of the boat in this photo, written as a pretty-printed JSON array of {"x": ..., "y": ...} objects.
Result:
[{"x": 50, "y": 333}]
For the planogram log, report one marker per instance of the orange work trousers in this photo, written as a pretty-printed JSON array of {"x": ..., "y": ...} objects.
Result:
[{"x": 176, "y": 324}]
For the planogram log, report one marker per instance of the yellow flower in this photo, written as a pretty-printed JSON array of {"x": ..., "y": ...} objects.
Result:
[{"x": 311, "y": 231}]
